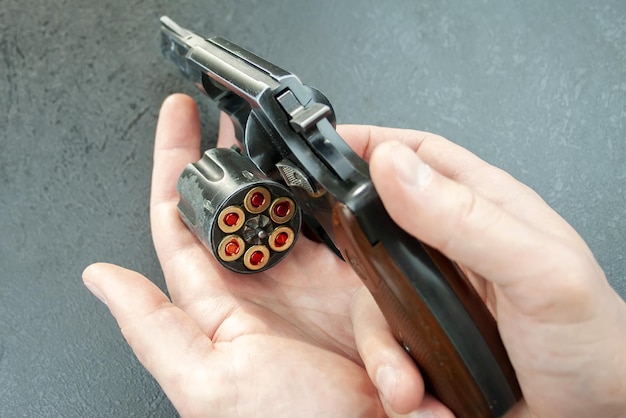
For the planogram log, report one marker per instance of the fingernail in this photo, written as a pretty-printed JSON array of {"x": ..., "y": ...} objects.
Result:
[
  {"x": 386, "y": 381},
  {"x": 410, "y": 168},
  {"x": 423, "y": 414},
  {"x": 96, "y": 292}
]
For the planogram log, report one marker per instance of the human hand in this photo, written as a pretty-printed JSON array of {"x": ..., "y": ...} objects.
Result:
[
  {"x": 285, "y": 342},
  {"x": 564, "y": 327}
]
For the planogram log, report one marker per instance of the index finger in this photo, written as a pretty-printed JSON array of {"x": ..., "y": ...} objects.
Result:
[{"x": 177, "y": 143}]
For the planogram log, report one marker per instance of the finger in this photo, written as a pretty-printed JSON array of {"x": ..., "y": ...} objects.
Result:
[
  {"x": 177, "y": 144},
  {"x": 429, "y": 408},
  {"x": 399, "y": 384},
  {"x": 226, "y": 136},
  {"x": 446, "y": 157},
  {"x": 363, "y": 139},
  {"x": 468, "y": 228},
  {"x": 462, "y": 166},
  {"x": 165, "y": 340},
  {"x": 184, "y": 260}
]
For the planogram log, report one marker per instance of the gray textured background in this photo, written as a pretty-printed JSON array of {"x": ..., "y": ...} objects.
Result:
[{"x": 538, "y": 89}]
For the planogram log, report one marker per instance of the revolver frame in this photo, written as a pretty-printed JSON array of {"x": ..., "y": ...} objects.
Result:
[{"x": 287, "y": 129}]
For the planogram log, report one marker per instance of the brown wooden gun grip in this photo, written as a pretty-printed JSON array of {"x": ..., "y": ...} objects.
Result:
[{"x": 413, "y": 324}]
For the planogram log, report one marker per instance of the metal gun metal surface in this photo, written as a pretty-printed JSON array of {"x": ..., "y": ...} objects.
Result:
[{"x": 287, "y": 131}]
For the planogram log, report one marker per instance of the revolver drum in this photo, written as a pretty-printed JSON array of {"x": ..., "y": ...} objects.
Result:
[{"x": 248, "y": 221}]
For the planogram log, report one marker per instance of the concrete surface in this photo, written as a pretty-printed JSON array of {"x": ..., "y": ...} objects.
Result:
[{"x": 537, "y": 88}]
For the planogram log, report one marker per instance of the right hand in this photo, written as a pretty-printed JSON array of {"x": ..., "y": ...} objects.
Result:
[{"x": 562, "y": 324}]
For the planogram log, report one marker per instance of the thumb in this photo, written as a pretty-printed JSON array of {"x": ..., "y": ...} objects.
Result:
[
  {"x": 168, "y": 342},
  {"x": 466, "y": 227}
]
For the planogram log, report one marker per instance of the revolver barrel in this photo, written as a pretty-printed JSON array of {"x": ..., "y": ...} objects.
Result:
[{"x": 217, "y": 66}]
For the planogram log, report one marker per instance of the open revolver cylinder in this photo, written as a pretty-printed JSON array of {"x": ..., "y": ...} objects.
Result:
[
  {"x": 248, "y": 221},
  {"x": 287, "y": 132}
]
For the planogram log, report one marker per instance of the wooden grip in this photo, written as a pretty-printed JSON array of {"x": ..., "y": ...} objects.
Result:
[{"x": 445, "y": 372}]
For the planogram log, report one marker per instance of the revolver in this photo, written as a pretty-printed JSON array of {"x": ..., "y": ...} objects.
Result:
[{"x": 295, "y": 172}]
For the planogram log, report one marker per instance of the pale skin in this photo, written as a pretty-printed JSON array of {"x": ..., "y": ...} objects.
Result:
[{"x": 305, "y": 339}]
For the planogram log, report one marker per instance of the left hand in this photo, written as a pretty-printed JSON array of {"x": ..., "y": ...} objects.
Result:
[{"x": 301, "y": 339}]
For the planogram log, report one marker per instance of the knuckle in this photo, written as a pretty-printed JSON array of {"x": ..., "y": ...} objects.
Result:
[
  {"x": 568, "y": 291},
  {"x": 576, "y": 287},
  {"x": 462, "y": 215}
]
